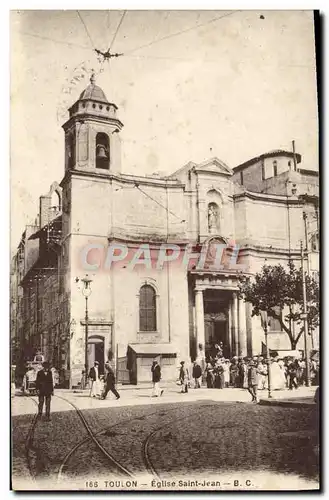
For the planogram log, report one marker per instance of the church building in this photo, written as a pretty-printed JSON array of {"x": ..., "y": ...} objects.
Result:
[{"x": 137, "y": 308}]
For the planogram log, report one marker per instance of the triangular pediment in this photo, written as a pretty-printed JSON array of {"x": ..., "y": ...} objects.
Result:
[{"x": 214, "y": 166}]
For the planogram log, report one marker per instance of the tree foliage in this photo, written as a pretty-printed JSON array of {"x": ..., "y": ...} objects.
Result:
[{"x": 279, "y": 291}]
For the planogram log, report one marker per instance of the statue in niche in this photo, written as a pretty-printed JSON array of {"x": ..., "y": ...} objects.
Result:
[{"x": 212, "y": 218}]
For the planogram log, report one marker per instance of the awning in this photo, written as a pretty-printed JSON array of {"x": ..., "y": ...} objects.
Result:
[
  {"x": 287, "y": 354},
  {"x": 153, "y": 349}
]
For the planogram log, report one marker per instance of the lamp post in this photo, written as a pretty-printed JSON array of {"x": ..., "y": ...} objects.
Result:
[
  {"x": 264, "y": 320},
  {"x": 86, "y": 291}
]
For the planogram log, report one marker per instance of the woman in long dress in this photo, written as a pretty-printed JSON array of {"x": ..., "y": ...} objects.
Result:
[
  {"x": 278, "y": 380},
  {"x": 210, "y": 377},
  {"x": 226, "y": 367},
  {"x": 262, "y": 375}
]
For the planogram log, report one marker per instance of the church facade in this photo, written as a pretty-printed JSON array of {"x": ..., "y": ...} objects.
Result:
[{"x": 165, "y": 254}]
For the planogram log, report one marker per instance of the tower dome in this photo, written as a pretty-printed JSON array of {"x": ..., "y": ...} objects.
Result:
[{"x": 93, "y": 92}]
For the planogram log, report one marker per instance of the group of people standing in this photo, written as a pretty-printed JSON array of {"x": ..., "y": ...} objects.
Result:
[{"x": 286, "y": 373}]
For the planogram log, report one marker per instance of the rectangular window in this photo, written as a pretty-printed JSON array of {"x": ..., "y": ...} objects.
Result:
[
  {"x": 275, "y": 168},
  {"x": 241, "y": 177}
]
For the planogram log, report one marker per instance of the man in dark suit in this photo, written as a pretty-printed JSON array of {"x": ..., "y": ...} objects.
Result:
[
  {"x": 253, "y": 381},
  {"x": 95, "y": 383},
  {"x": 156, "y": 377},
  {"x": 45, "y": 388},
  {"x": 110, "y": 382}
]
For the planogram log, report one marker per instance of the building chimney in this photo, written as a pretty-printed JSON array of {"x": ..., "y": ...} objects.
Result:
[{"x": 45, "y": 202}]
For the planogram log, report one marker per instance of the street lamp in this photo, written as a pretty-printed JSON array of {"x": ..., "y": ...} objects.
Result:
[
  {"x": 86, "y": 291},
  {"x": 264, "y": 320}
]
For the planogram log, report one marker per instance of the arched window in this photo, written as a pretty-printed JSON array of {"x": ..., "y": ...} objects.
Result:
[
  {"x": 102, "y": 151},
  {"x": 275, "y": 168},
  {"x": 147, "y": 309},
  {"x": 55, "y": 203}
]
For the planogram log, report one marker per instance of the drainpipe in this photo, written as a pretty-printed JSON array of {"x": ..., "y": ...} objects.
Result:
[{"x": 168, "y": 277}]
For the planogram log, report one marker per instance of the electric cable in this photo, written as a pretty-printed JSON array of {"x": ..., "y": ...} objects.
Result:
[
  {"x": 117, "y": 30},
  {"x": 85, "y": 26},
  {"x": 53, "y": 40},
  {"x": 181, "y": 32},
  {"x": 156, "y": 201}
]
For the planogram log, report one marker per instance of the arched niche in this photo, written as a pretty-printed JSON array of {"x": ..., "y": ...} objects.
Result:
[{"x": 214, "y": 208}]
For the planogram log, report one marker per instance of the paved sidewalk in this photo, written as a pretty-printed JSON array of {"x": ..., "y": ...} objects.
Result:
[
  {"x": 304, "y": 396},
  {"x": 136, "y": 396}
]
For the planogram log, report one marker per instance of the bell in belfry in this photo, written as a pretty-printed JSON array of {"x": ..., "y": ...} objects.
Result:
[{"x": 101, "y": 152}]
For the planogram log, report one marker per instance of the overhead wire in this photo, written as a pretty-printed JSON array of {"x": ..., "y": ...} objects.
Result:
[
  {"x": 85, "y": 26},
  {"x": 49, "y": 39},
  {"x": 129, "y": 52},
  {"x": 116, "y": 31},
  {"x": 181, "y": 32},
  {"x": 160, "y": 205},
  {"x": 53, "y": 40}
]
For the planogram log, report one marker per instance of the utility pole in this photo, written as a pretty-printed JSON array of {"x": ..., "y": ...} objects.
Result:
[
  {"x": 264, "y": 321},
  {"x": 304, "y": 317},
  {"x": 307, "y": 251},
  {"x": 306, "y": 243},
  {"x": 86, "y": 291}
]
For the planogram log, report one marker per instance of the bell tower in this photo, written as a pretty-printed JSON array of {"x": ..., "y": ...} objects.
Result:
[{"x": 92, "y": 134}]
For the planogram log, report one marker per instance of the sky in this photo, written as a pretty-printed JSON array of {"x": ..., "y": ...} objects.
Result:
[{"x": 231, "y": 84}]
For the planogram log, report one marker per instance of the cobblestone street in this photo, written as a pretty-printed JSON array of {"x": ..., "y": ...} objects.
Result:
[{"x": 90, "y": 444}]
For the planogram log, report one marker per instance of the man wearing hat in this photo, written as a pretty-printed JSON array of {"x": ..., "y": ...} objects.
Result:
[
  {"x": 45, "y": 387},
  {"x": 110, "y": 382},
  {"x": 252, "y": 381},
  {"x": 95, "y": 383},
  {"x": 197, "y": 374},
  {"x": 184, "y": 377},
  {"x": 156, "y": 377}
]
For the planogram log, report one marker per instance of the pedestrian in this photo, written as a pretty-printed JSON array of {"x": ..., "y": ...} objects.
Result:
[
  {"x": 210, "y": 378},
  {"x": 110, "y": 383},
  {"x": 234, "y": 372},
  {"x": 45, "y": 388},
  {"x": 156, "y": 377},
  {"x": 219, "y": 374},
  {"x": 292, "y": 370},
  {"x": 83, "y": 380},
  {"x": 253, "y": 381},
  {"x": 197, "y": 374},
  {"x": 300, "y": 364},
  {"x": 226, "y": 368},
  {"x": 184, "y": 377},
  {"x": 262, "y": 373},
  {"x": 95, "y": 383},
  {"x": 243, "y": 374}
]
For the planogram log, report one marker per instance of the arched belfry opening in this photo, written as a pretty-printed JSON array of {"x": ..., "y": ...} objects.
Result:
[{"x": 102, "y": 151}]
